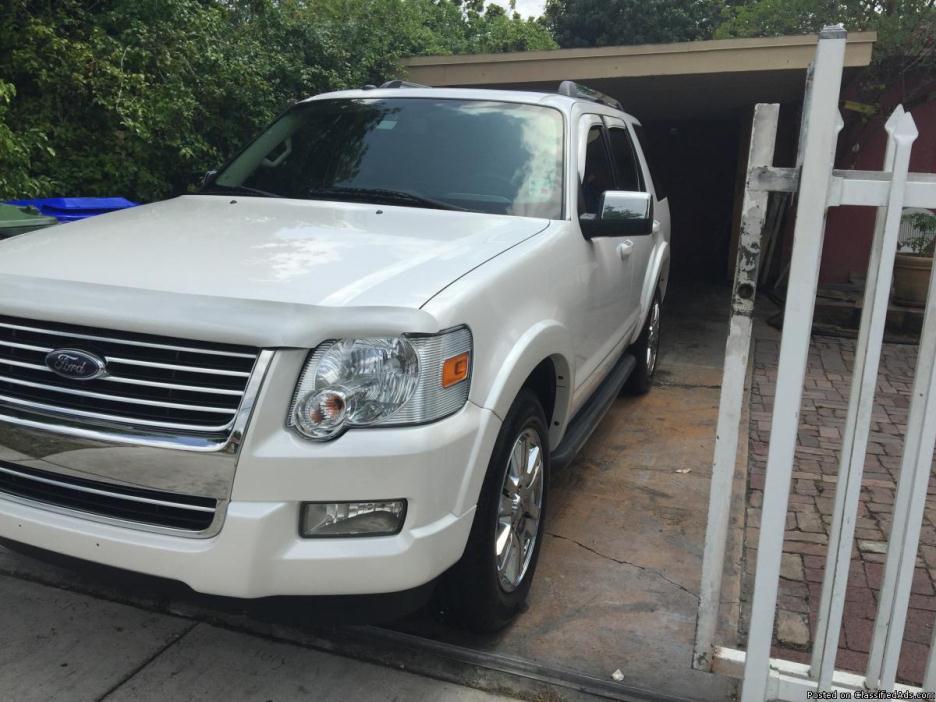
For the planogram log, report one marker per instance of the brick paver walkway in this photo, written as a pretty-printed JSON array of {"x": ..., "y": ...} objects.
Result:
[{"x": 825, "y": 404}]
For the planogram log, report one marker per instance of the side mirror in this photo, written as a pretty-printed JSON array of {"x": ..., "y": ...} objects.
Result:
[
  {"x": 621, "y": 213},
  {"x": 209, "y": 177}
]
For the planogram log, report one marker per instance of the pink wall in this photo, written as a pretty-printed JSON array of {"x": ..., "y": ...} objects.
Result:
[{"x": 849, "y": 229}]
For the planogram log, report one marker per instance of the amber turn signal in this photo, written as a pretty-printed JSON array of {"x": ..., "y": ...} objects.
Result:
[{"x": 454, "y": 370}]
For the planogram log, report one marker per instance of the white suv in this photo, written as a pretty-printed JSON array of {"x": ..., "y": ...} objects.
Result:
[{"x": 349, "y": 364}]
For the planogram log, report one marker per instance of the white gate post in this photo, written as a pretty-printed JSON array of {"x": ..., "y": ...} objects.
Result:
[
  {"x": 737, "y": 348},
  {"x": 823, "y": 125}
]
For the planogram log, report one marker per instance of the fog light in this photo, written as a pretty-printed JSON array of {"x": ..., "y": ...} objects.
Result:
[{"x": 352, "y": 518}]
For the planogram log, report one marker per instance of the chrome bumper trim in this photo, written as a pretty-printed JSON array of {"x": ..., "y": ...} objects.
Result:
[{"x": 103, "y": 493}]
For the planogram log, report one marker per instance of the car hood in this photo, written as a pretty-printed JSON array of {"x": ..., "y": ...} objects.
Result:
[
  {"x": 256, "y": 256},
  {"x": 310, "y": 252}
]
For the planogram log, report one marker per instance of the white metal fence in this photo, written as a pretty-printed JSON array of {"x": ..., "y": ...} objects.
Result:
[{"x": 819, "y": 186}]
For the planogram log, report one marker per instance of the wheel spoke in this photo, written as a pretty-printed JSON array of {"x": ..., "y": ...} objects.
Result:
[
  {"x": 530, "y": 478},
  {"x": 515, "y": 469},
  {"x": 514, "y": 558},
  {"x": 505, "y": 508},
  {"x": 530, "y": 527},
  {"x": 503, "y": 541},
  {"x": 533, "y": 458}
]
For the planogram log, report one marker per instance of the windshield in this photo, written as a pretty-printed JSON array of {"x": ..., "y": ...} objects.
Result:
[{"x": 481, "y": 156}]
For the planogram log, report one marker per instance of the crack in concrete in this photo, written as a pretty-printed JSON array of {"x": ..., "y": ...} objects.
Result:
[
  {"x": 139, "y": 668},
  {"x": 645, "y": 569}
]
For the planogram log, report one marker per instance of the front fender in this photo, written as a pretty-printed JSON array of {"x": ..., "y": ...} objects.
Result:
[
  {"x": 657, "y": 276},
  {"x": 548, "y": 339}
]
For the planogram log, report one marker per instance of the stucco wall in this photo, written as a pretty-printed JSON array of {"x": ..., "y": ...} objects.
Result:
[{"x": 849, "y": 229}]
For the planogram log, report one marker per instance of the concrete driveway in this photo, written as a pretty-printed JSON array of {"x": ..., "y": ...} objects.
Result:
[{"x": 616, "y": 589}]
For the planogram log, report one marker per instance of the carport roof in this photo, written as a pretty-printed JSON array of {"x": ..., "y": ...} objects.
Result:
[{"x": 672, "y": 81}]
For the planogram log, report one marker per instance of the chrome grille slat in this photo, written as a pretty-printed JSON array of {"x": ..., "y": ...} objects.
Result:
[
  {"x": 144, "y": 344},
  {"x": 23, "y": 364},
  {"x": 178, "y": 386},
  {"x": 113, "y": 418},
  {"x": 172, "y": 386},
  {"x": 25, "y": 347},
  {"x": 117, "y": 398},
  {"x": 105, "y": 493},
  {"x": 173, "y": 366},
  {"x": 134, "y": 381},
  {"x": 166, "y": 512}
]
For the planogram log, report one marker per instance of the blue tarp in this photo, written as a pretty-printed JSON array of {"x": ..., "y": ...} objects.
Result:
[{"x": 70, "y": 209}]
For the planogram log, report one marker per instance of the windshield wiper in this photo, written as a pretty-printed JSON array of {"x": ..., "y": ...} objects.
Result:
[
  {"x": 382, "y": 195},
  {"x": 243, "y": 189}
]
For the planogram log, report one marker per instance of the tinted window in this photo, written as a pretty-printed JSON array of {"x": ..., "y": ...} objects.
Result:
[
  {"x": 597, "y": 177},
  {"x": 652, "y": 165},
  {"x": 625, "y": 159},
  {"x": 495, "y": 157}
]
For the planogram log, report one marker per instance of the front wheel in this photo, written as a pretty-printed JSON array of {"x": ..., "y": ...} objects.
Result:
[
  {"x": 645, "y": 351},
  {"x": 489, "y": 585}
]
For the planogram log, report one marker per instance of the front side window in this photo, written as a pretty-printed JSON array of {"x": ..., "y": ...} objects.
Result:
[
  {"x": 480, "y": 156},
  {"x": 597, "y": 177},
  {"x": 625, "y": 159}
]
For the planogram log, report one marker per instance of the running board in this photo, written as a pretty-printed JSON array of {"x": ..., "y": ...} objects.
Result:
[{"x": 588, "y": 417}]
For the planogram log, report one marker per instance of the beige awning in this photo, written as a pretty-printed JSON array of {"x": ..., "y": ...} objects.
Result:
[{"x": 682, "y": 80}]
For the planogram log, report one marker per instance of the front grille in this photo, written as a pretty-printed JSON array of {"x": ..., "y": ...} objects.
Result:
[
  {"x": 150, "y": 507},
  {"x": 155, "y": 383}
]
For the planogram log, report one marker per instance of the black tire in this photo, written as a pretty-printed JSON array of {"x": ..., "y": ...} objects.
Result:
[
  {"x": 646, "y": 350},
  {"x": 471, "y": 594}
]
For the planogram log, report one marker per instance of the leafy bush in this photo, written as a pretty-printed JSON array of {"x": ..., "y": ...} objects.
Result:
[
  {"x": 17, "y": 151},
  {"x": 577, "y": 23},
  {"x": 140, "y": 97},
  {"x": 924, "y": 225}
]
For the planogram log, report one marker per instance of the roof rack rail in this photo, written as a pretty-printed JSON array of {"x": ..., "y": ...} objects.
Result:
[
  {"x": 402, "y": 84},
  {"x": 577, "y": 90}
]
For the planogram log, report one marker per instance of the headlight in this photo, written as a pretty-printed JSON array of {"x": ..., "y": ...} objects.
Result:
[{"x": 381, "y": 381}]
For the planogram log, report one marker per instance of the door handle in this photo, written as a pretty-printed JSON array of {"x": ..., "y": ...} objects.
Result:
[
  {"x": 656, "y": 226},
  {"x": 625, "y": 248}
]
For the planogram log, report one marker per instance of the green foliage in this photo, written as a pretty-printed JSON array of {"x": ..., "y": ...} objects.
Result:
[
  {"x": 140, "y": 97},
  {"x": 924, "y": 224},
  {"x": 906, "y": 28},
  {"x": 902, "y": 65},
  {"x": 577, "y": 23},
  {"x": 17, "y": 150}
]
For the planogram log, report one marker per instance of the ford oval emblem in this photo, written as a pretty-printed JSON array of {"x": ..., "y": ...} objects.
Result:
[{"x": 75, "y": 365}]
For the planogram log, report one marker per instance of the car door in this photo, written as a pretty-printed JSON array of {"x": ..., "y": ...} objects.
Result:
[
  {"x": 638, "y": 249},
  {"x": 607, "y": 310}
]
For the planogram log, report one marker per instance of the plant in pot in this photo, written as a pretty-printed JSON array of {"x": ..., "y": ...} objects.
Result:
[{"x": 914, "y": 260}]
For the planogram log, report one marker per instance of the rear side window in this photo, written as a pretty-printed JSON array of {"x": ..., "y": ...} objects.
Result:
[
  {"x": 625, "y": 159},
  {"x": 652, "y": 165},
  {"x": 598, "y": 176}
]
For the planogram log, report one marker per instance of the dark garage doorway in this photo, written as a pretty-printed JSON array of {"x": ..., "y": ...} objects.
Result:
[{"x": 696, "y": 162}]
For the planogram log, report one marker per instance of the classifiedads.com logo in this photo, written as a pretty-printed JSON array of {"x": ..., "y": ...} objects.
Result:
[{"x": 871, "y": 695}]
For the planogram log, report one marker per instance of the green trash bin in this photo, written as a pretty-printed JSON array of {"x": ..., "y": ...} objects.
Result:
[{"x": 15, "y": 219}]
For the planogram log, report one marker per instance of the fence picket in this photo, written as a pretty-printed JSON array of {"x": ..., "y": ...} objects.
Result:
[{"x": 901, "y": 134}]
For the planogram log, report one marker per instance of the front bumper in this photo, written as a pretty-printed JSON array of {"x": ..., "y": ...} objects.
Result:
[
  {"x": 438, "y": 468},
  {"x": 256, "y": 554}
]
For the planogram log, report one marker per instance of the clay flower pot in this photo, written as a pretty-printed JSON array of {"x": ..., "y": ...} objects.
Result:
[{"x": 911, "y": 279}]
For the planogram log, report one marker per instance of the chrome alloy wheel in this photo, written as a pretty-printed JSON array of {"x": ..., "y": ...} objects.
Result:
[
  {"x": 653, "y": 337},
  {"x": 519, "y": 510}
]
